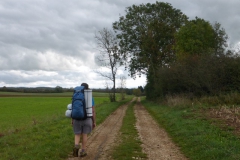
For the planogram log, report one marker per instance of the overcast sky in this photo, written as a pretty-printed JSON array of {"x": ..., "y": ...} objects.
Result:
[{"x": 51, "y": 42}]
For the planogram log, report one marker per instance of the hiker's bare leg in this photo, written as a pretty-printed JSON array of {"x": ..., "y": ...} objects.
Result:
[
  {"x": 77, "y": 139},
  {"x": 76, "y": 147},
  {"x": 84, "y": 141}
]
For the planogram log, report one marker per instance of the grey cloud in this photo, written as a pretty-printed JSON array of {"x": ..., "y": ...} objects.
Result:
[
  {"x": 50, "y": 78},
  {"x": 43, "y": 27},
  {"x": 57, "y": 36},
  {"x": 31, "y": 77}
]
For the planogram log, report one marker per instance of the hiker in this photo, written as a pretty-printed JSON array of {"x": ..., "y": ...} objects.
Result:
[{"x": 82, "y": 128}]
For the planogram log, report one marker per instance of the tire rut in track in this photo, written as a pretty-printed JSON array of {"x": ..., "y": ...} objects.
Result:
[
  {"x": 101, "y": 140},
  {"x": 156, "y": 143}
]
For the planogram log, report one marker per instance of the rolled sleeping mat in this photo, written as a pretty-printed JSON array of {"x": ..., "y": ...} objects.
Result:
[
  {"x": 69, "y": 106},
  {"x": 88, "y": 100},
  {"x": 68, "y": 113}
]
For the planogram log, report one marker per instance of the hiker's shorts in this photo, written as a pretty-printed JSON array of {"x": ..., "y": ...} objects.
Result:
[{"x": 84, "y": 126}]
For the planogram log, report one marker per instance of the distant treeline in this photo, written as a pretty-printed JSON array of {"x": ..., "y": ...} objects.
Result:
[{"x": 59, "y": 89}]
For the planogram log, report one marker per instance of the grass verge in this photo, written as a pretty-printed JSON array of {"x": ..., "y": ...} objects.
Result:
[
  {"x": 197, "y": 137},
  {"x": 129, "y": 147}
]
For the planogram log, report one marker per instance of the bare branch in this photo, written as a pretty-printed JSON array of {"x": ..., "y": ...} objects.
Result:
[{"x": 108, "y": 55}]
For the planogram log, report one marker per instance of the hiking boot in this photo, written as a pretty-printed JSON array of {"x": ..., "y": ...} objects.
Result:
[
  {"x": 83, "y": 154},
  {"x": 75, "y": 152}
]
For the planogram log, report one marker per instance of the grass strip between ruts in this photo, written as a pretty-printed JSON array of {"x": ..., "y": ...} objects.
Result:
[
  {"x": 129, "y": 146},
  {"x": 197, "y": 137}
]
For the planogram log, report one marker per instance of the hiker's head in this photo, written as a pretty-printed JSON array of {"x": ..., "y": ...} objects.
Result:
[{"x": 85, "y": 85}]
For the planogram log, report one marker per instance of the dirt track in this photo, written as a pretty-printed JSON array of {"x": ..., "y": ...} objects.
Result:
[{"x": 156, "y": 143}]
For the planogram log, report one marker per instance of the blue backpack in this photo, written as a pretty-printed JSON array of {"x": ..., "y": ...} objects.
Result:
[{"x": 78, "y": 104}]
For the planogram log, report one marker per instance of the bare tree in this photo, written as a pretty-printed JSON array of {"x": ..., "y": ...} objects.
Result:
[
  {"x": 108, "y": 57},
  {"x": 109, "y": 91},
  {"x": 122, "y": 87}
]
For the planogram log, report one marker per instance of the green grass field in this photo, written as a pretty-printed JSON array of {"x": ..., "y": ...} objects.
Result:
[
  {"x": 19, "y": 113},
  {"x": 64, "y": 94},
  {"x": 35, "y": 127}
]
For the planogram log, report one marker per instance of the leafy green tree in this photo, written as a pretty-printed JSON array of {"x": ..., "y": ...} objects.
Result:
[
  {"x": 199, "y": 37},
  {"x": 137, "y": 92},
  {"x": 129, "y": 91},
  {"x": 146, "y": 35},
  {"x": 141, "y": 88},
  {"x": 4, "y": 88},
  {"x": 58, "y": 89},
  {"x": 221, "y": 38}
]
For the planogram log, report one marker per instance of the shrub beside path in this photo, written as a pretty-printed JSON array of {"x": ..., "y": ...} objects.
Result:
[{"x": 156, "y": 143}]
